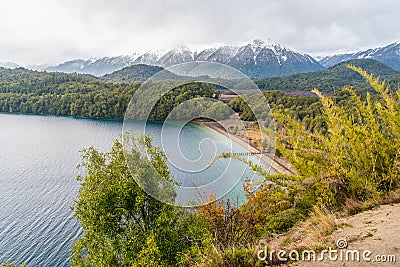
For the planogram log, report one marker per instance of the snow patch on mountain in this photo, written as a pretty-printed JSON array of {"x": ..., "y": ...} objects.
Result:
[
  {"x": 389, "y": 55},
  {"x": 256, "y": 58},
  {"x": 9, "y": 65}
]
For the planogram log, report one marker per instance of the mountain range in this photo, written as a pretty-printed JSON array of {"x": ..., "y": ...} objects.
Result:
[
  {"x": 9, "y": 65},
  {"x": 256, "y": 59},
  {"x": 333, "y": 78},
  {"x": 389, "y": 55},
  {"x": 327, "y": 80}
]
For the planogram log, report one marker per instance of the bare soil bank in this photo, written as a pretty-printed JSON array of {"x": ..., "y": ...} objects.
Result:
[{"x": 280, "y": 165}]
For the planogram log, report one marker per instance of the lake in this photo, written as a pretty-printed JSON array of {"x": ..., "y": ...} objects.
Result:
[{"x": 38, "y": 158}]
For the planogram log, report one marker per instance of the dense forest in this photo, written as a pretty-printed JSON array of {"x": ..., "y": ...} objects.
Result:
[
  {"x": 328, "y": 80},
  {"x": 34, "y": 92},
  {"x": 333, "y": 79},
  {"x": 31, "y": 92},
  {"x": 306, "y": 109},
  {"x": 136, "y": 73}
]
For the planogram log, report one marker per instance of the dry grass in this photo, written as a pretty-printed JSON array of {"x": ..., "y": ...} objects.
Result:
[
  {"x": 353, "y": 206},
  {"x": 391, "y": 198},
  {"x": 230, "y": 257},
  {"x": 317, "y": 232},
  {"x": 323, "y": 223},
  {"x": 313, "y": 233}
]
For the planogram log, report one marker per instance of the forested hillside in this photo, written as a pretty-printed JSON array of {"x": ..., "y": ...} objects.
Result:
[
  {"x": 328, "y": 80},
  {"x": 332, "y": 79},
  {"x": 31, "y": 92},
  {"x": 138, "y": 73}
]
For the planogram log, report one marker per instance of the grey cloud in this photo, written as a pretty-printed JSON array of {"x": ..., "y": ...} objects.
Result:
[{"x": 52, "y": 31}]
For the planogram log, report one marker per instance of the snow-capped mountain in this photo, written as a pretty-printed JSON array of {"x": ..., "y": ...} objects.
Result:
[
  {"x": 389, "y": 55},
  {"x": 9, "y": 65},
  {"x": 76, "y": 65},
  {"x": 175, "y": 56},
  {"x": 220, "y": 55},
  {"x": 108, "y": 65},
  {"x": 148, "y": 58},
  {"x": 203, "y": 55},
  {"x": 260, "y": 59},
  {"x": 255, "y": 59},
  {"x": 97, "y": 67}
]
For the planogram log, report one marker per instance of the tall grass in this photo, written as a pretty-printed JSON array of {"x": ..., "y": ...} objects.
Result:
[{"x": 359, "y": 156}]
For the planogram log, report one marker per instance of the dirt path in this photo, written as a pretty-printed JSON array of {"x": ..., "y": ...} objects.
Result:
[{"x": 377, "y": 230}]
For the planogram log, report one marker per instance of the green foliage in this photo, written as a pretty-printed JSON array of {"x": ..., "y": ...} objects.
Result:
[
  {"x": 243, "y": 257},
  {"x": 180, "y": 95},
  {"x": 124, "y": 226},
  {"x": 277, "y": 206},
  {"x": 33, "y": 92},
  {"x": 332, "y": 79},
  {"x": 137, "y": 73},
  {"x": 344, "y": 147},
  {"x": 355, "y": 159},
  {"x": 358, "y": 157},
  {"x": 301, "y": 108}
]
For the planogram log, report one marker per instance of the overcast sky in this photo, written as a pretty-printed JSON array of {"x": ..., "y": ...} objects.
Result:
[{"x": 52, "y": 31}]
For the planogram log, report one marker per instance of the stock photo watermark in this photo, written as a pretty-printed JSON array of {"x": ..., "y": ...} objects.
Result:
[{"x": 339, "y": 254}]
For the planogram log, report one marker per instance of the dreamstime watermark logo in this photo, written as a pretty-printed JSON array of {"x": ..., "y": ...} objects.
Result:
[
  {"x": 341, "y": 243},
  {"x": 339, "y": 254},
  {"x": 152, "y": 98}
]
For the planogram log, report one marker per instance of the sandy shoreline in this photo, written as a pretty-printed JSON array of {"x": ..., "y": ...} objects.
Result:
[{"x": 279, "y": 165}]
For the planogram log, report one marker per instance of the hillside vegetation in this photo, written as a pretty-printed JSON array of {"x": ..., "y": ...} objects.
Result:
[
  {"x": 351, "y": 166},
  {"x": 32, "y": 92},
  {"x": 137, "y": 73},
  {"x": 333, "y": 79}
]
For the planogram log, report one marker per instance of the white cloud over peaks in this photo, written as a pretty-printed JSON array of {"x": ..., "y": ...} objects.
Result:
[{"x": 45, "y": 31}]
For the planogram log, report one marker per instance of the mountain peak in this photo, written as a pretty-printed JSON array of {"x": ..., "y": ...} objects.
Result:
[
  {"x": 257, "y": 43},
  {"x": 181, "y": 48},
  {"x": 389, "y": 55},
  {"x": 9, "y": 65},
  {"x": 256, "y": 58}
]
